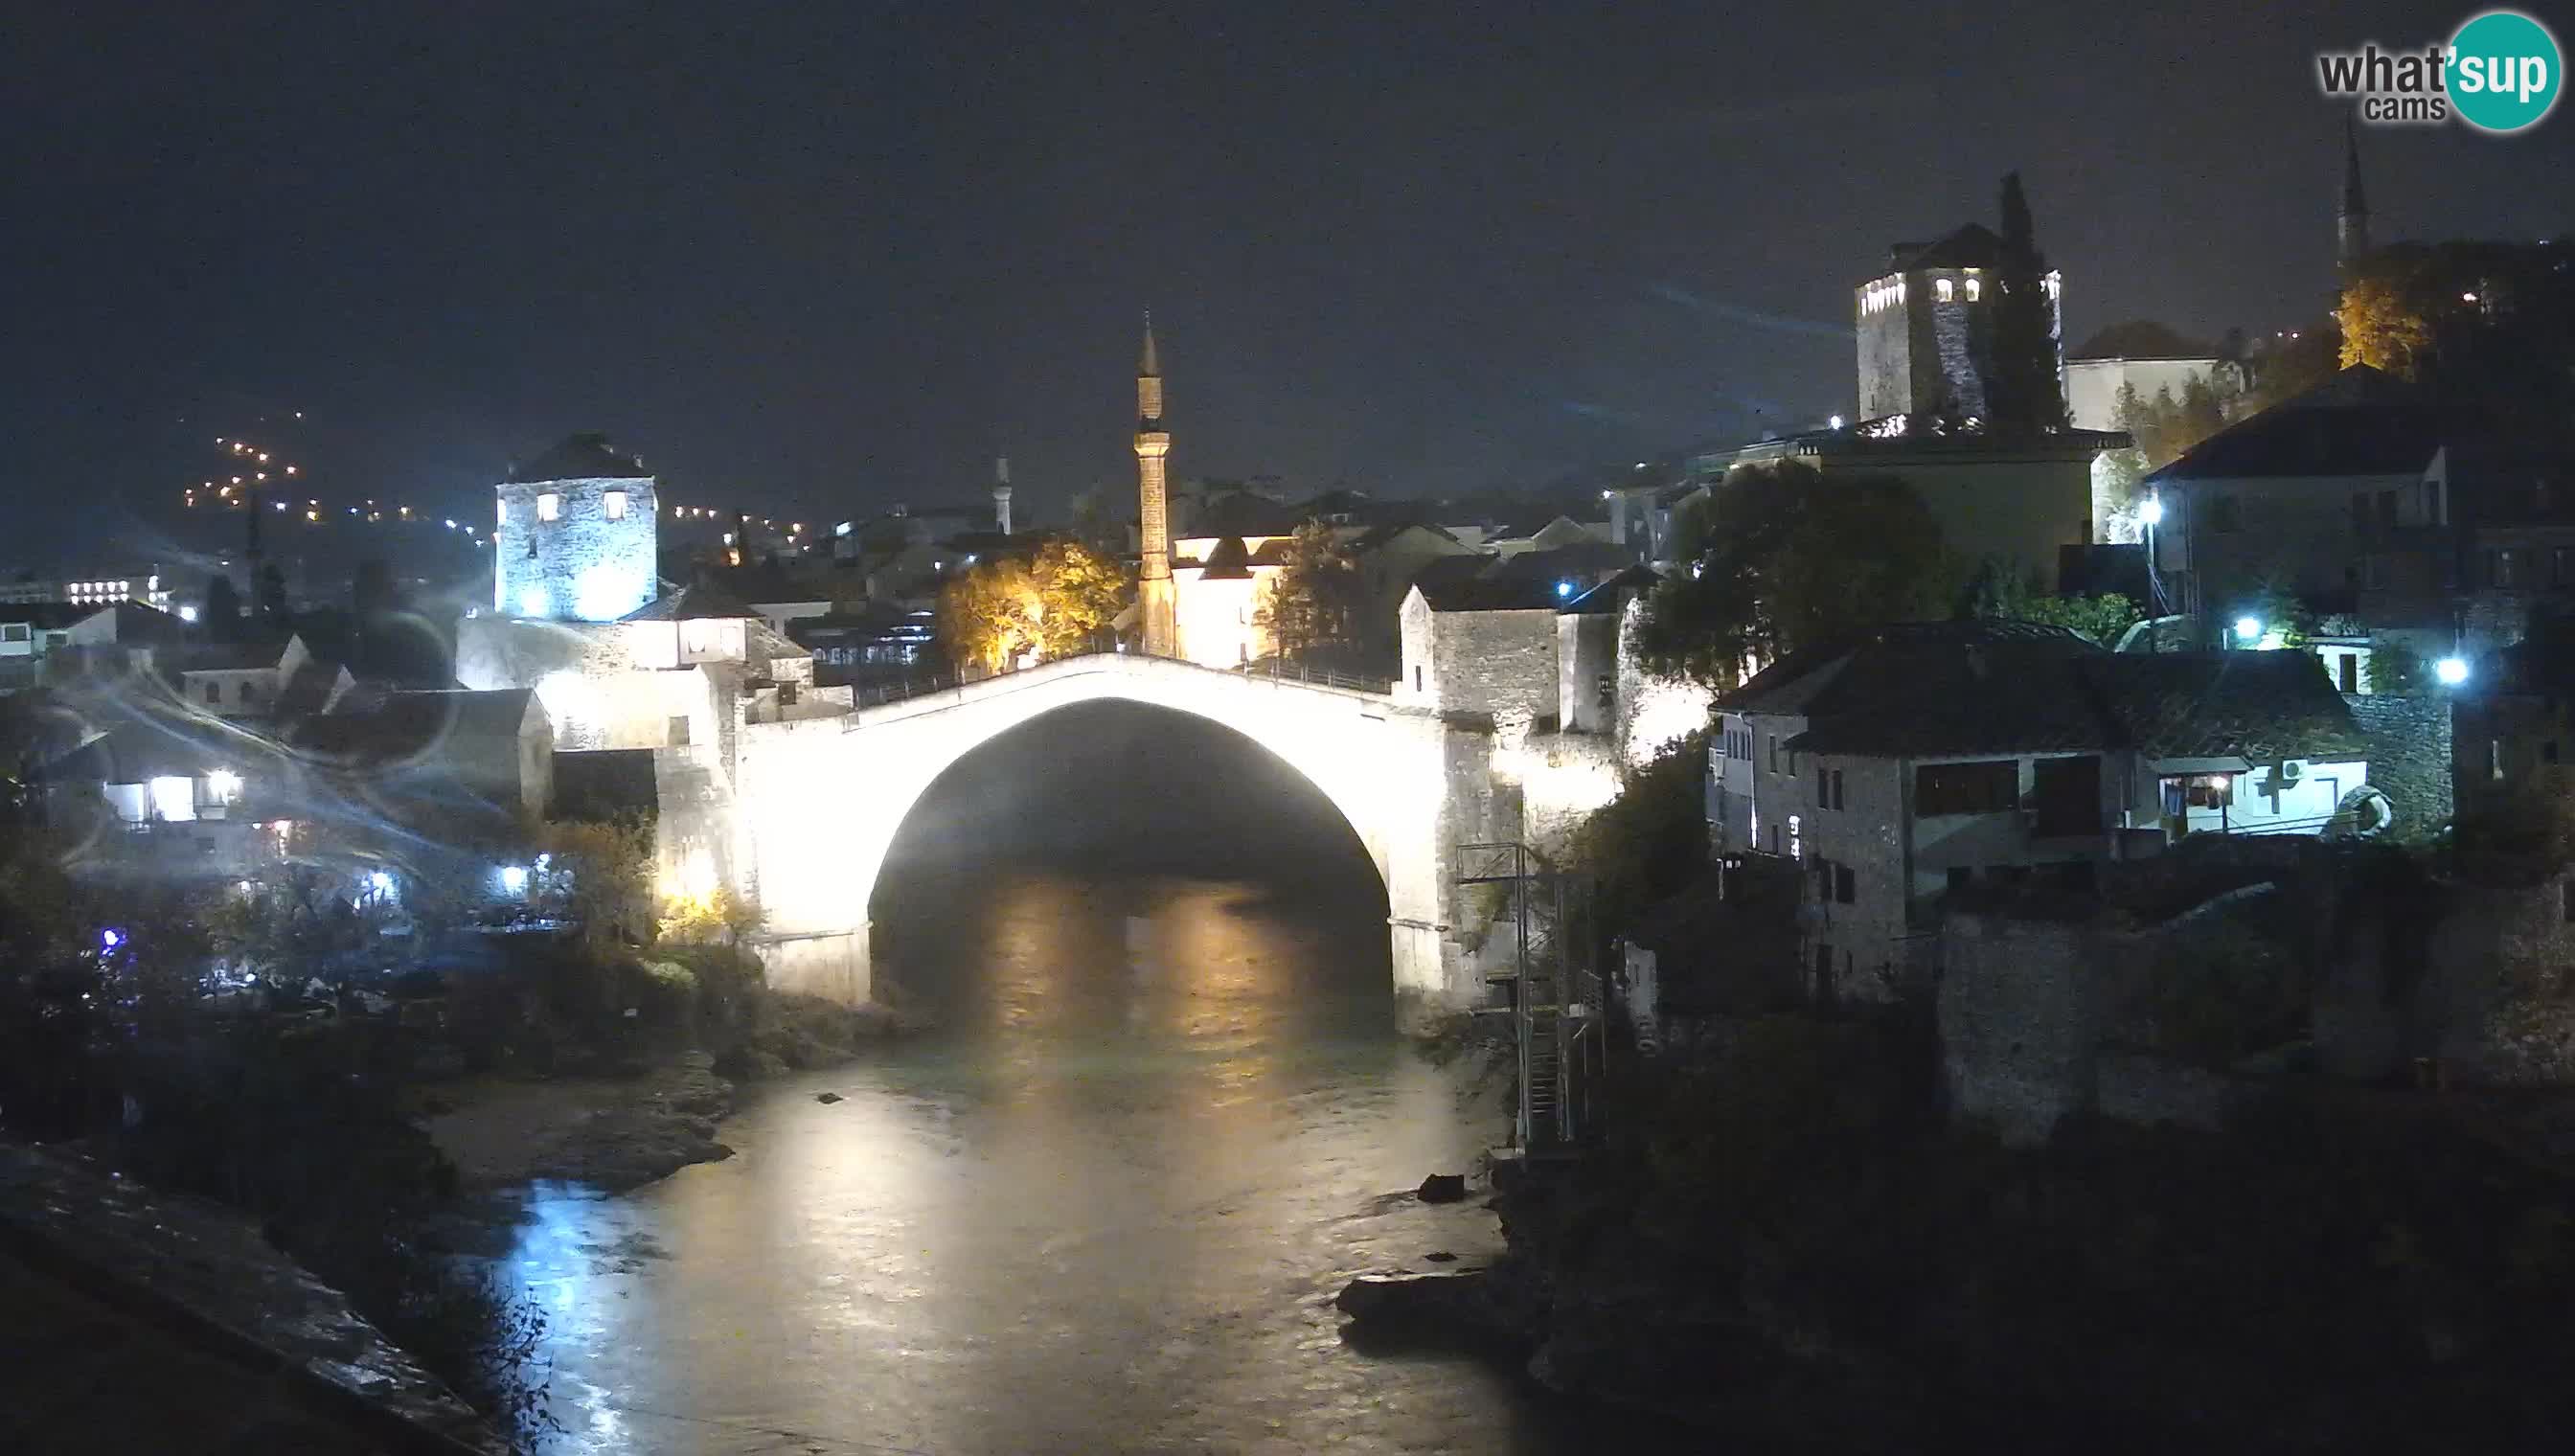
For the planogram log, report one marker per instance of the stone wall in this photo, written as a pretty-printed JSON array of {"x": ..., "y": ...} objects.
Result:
[
  {"x": 2496, "y": 1001},
  {"x": 2409, "y": 755},
  {"x": 1497, "y": 662},
  {"x": 581, "y": 566},
  {"x": 2020, "y": 1016}
]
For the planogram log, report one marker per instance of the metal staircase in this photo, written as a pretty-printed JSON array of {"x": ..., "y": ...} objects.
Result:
[{"x": 1553, "y": 994}]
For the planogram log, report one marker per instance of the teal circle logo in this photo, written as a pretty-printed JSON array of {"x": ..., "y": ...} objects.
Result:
[{"x": 2504, "y": 71}]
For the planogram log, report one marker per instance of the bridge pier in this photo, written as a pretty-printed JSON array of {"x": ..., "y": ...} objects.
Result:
[{"x": 831, "y": 964}]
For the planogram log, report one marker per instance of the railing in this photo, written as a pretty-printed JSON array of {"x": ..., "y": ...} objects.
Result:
[{"x": 863, "y": 694}]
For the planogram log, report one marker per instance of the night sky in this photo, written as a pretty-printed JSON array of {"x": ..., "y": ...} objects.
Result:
[{"x": 823, "y": 257}]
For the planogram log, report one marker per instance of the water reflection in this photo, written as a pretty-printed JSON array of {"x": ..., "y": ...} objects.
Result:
[{"x": 1104, "y": 1209}]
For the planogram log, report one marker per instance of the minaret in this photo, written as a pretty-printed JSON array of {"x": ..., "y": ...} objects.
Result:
[
  {"x": 2351, "y": 223},
  {"x": 1157, "y": 603},
  {"x": 1002, "y": 494}
]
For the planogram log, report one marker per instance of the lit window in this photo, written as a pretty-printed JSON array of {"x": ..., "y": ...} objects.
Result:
[
  {"x": 550, "y": 507},
  {"x": 1947, "y": 289},
  {"x": 505, "y": 513},
  {"x": 1975, "y": 287},
  {"x": 615, "y": 500}
]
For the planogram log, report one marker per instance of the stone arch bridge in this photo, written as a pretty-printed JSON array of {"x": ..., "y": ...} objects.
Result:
[{"x": 816, "y": 800}]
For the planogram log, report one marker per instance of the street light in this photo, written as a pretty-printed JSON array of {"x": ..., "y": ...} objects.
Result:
[
  {"x": 2248, "y": 629},
  {"x": 2152, "y": 512},
  {"x": 2451, "y": 670}
]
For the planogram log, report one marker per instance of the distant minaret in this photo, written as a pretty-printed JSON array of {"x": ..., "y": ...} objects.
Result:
[
  {"x": 1002, "y": 494},
  {"x": 2351, "y": 223},
  {"x": 1154, "y": 597}
]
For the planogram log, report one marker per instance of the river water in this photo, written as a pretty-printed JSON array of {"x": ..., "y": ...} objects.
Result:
[{"x": 1103, "y": 1207}]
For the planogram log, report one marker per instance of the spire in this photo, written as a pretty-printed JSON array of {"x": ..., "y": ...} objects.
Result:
[
  {"x": 1149, "y": 363},
  {"x": 2351, "y": 221}
]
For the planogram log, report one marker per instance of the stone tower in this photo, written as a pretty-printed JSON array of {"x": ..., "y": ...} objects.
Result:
[
  {"x": 1155, "y": 600},
  {"x": 1920, "y": 325},
  {"x": 1002, "y": 494},
  {"x": 2351, "y": 220},
  {"x": 576, "y": 535}
]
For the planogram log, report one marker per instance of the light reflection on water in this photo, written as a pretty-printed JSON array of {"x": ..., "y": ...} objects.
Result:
[{"x": 1103, "y": 1208}]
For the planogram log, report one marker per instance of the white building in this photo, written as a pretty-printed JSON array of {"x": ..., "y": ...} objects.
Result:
[{"x": 1922, "y": 758}]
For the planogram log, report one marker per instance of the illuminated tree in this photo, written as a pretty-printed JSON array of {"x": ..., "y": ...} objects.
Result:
[
  {"x": 1313, "y": 601},
  {"x": 1776, "y": 558},
  {"x": 988, "y": 616},
  {"x": 2382, "y": 326},
  {"x": 1004, "y": 610},
  {"x": 1079, "y": 594}
]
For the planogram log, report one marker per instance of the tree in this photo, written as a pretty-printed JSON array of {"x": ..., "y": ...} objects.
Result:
[
  {"x": 1079, "y": 594},
  {"x": 1313, "y": 601},
  {"x": 1779, "y": 559},
  {"x": 221, "y": 611},
  {"x": 2022, "y": 390},
  {"x": 2395, "y": 668},
  {"x": 2382, "y": 325},
  {"x": 2005, "y": 595},
  {"x": 1002, "y": 610}
]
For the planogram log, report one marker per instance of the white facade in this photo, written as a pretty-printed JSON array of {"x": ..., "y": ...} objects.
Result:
[{"x": 2092, "y": 385}]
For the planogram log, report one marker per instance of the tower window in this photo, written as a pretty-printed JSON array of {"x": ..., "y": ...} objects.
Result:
[
  {"x": 615, "y": 503},
  {"x": 1947, "y": 289},
  {"x": 504, "y": 516},
  {"x": 550, "y": 507},
  {"x": 1975, "y": 285}
]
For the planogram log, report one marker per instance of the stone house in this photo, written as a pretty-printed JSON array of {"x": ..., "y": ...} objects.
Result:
[
  {"x": 1482, "y": 645},
  {"x": 576, "y": 535},
  {"x": 1908, "y": 763}
]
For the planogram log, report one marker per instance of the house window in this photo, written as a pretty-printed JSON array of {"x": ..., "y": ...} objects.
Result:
[
  {"x": 1797, "y": 838},
  {"x": 1417, "y": 679},
  {"x": 678, "y": 733},
  {"x": 1774, "y": 753},
  {"x": 248, "y": 692},
  {"x": 1846, "y": 884},
  {"x": 2373, "y": 572},
  {"x": 1947, "y": 289},
  {"x": 2502, "y": 566},
  {"x": 214, "y": 695},
  {"x": 2347, "y": 672},
  {"x": 13, "y": 631},
  {"x": 2494, "y": 758},
  {"x": 613, "y": 504},
  {"x": 1966, "y": 789},
  {"x": 2566, "y": 901},
  {"x": 503, "y": 518},
  {"x": 1975, "y": 288},
  {"x": 1823, "y": 788},
  {"x": 2198, "y": 790},
  {"x": 549, "y": 507}
]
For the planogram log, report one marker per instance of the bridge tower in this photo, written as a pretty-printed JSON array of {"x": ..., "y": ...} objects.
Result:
[{"x": 1156, "y": 601}]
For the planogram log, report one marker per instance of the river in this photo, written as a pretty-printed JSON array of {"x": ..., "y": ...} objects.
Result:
[{"x": 1103, "y": 1207}]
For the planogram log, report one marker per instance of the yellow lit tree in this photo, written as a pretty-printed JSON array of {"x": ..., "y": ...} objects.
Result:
[
  {"x": 1005, "y": 612},
  {"x": 2382, "y": 326}
]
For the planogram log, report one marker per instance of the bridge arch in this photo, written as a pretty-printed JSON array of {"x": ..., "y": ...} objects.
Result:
[{"x": 819, "y": 801}]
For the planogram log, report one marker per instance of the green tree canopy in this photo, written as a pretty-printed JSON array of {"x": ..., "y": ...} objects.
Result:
[
  {"x": 1312, "y": 604},
  {"x": 1777, "y": 557}
]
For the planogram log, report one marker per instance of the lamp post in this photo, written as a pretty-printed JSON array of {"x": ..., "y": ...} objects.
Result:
[{"x": 2152, "y": 514}]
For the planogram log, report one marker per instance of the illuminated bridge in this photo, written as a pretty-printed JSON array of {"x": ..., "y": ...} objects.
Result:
[{"x": 817, "y": 800}]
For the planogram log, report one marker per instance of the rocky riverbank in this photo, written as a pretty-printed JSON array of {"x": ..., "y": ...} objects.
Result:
[
  {"x": 1789, "y": 1242},
  {"x": 612, "y": 1133}
]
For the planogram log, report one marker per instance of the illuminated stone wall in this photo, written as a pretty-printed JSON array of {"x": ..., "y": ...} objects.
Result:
[
  {"x": 819, "y": 801},
  {"x": 582, "y": 566}
]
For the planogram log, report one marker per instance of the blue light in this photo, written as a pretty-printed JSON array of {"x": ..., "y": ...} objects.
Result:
[
  {"x": 110, "y": 939},
  {"x": 1563, "y": 588}
]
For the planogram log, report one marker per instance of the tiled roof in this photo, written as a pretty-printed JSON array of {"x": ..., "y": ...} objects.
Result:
[
  {"x": 1485, "y": 594},
  {"x": 408, "y": 725},
  {"x": 2260, "y": 706},
  {"x": 1941, "y": 688},
  {"x": 2359, "y": 423},
  {"x": 1973, "y": 245},
  {"x": 582, "y": 457},
  {"x": 689, "y": 604}
]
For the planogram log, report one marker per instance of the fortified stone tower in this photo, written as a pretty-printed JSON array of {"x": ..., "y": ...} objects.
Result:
[
  {"x": 577, "y": 533},
  {"x": 1156, "y": 603},
  {"x": 1921, "y": 325}
]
